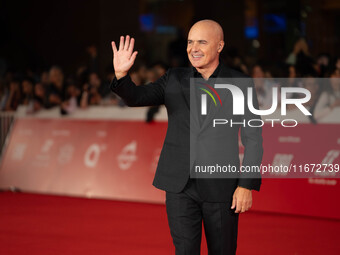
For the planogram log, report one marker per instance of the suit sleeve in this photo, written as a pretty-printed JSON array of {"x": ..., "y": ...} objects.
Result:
[
  {"x": 143, "y": 95},
  {"x": 251, "y": 138}
]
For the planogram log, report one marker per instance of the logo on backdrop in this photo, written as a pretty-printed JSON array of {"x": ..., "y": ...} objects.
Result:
[
  {"x": 204, "y": 98},
  {"x": 127, "y": 155},
  {"x": 239, "y": 104}
]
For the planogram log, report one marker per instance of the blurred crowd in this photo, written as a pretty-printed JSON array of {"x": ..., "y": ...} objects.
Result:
[
  {"x": 53, "y": 88},
  {"x": 300, "y": 69}
]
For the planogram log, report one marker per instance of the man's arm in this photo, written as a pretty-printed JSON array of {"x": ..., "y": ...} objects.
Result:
[
  {"x": 143, "y": 95},
  {"x": 122, "y": 85},
  {"x": 251, "y": 138}
]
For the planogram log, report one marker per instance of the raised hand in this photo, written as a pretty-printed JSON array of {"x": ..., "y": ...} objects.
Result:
[{"x": 124, "y": 57}]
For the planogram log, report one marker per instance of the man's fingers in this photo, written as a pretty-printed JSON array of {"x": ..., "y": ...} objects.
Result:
[
  {"x": 114, "y": 48},
  {"x": 131, "y": 45},
  {"x": 238, "y": 206},
  {"x": 133, "y": 56},
  {"x": 246, "y": 206},
  {"x": 242, "y": 207},
  {"x": 127, "y": 42},
  {"x": 233, "y": 204},
  {"x": 121, "y": 43}
]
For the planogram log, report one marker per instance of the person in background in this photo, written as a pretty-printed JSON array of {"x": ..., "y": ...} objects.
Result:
[
  {"x": 93, "y": 58},
  {"x": 151, "y": 75},
  {"x": 335, "y": 64},
  {"x": 71, "y": 102},
  {"x": 142, "y": 71},
  {"x": 302, "y": 59},
  {"x": 14, "y": 96},
  {"x": 263, "y": 86},
  {"x": 300, "y": 46},
  {"x": 90, "y": 94},
  {"x": 323, "y": 64},
  {"x": 56, "y": 89},
  {"x": 159, "y": 69},
  {"x": 27, "y": 91},
  {"x": 39, "y": 97},
  {"x": 291, "y": 81},
  {"x": 95, "y": 82},
  {"x": 28, "y": 94},
  {"x": 3, "y": 96},
  {"x": 310, "y": 83},
  {"x": 45, "y": 79},
  {"x": 329, "y": 99},
  {"x": 108, "y": 98},
  {"x": 135, "y": 77}
]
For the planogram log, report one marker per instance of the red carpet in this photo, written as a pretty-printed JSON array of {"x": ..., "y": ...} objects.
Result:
[{"x": 44, "y": 224}]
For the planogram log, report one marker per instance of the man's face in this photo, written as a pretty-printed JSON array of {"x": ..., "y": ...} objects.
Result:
[{"x": 204, "y": 46}]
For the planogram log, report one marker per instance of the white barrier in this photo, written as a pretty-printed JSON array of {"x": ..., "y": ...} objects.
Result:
[
  {"x": 97, "y": 112},
  {"x": 6, "y": 120}
]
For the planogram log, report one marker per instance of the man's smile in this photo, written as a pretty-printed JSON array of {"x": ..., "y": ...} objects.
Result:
[{"x": 197, "y": 56}]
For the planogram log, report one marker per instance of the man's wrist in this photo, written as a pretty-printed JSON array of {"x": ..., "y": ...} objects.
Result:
[
  {"x": 244, "y": 187},
  {"x": 120, "y": 75}
]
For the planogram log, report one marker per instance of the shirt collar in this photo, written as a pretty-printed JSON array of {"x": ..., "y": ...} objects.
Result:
[{"x": 214, "y": 74}]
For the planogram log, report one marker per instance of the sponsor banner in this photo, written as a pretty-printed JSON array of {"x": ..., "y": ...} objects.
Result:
[
  {"x": 118, "y": 159},
  {"x": 109, "y": 159}
]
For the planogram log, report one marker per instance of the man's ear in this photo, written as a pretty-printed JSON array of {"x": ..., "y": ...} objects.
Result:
[{"x": 220, "y": 46}]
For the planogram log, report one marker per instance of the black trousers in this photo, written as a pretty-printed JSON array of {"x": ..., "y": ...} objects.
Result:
[{"x": 186, "y": 211}]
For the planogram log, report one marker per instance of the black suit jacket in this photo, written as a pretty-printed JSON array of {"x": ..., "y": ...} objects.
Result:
[{"x": 173, "y": 90}]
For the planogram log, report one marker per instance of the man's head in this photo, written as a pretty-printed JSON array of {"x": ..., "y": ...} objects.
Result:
[{"x": 205, "y": 43}]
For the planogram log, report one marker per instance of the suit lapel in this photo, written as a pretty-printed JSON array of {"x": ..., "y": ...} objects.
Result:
[
  {"x": 189, "y": 98},
  {"x": 185, "y": 86}
]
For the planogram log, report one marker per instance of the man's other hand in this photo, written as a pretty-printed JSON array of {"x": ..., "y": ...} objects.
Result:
[
  {"x": 242, "y": 200},
  {"x": 124, "y": 57}
]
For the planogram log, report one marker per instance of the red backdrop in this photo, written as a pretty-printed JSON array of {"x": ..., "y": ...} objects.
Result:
[{"x": 118, "y": 159}]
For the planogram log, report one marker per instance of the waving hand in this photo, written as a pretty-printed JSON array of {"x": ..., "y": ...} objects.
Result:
[{"x": 124, "y": 57}]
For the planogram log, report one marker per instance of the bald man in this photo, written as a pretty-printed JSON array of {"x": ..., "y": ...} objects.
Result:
[{"x": 216, "y": 202}]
